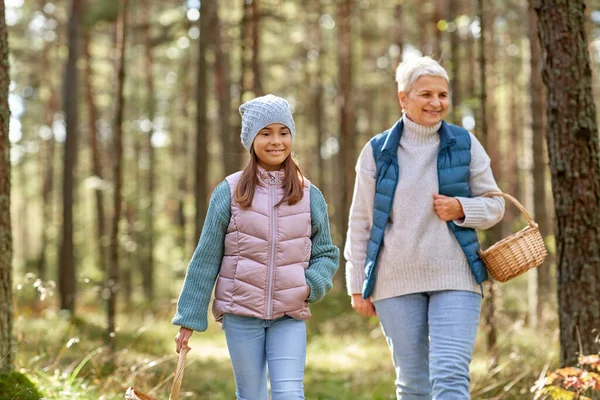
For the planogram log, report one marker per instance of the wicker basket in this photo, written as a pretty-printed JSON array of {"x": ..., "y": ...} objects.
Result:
[
  {"x": 134, "y": 394},
  {"x": 517, "y": 253}
]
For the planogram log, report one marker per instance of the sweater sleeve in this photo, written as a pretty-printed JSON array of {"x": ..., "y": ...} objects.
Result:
[
  {"x": 481, "y": 212},
  {"x": 203, "y": 269},
  {"x": 324, "y": 256},
  {"x": 360, "y": 220}
]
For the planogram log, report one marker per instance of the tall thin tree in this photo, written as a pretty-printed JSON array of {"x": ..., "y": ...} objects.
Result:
[
  {"x": 489, "y": 140},
  {"x": 47, "y": 161},
  {"x": 347, "y": 135},
  {"x": 6, "y": 250},
  {"x": 207, "y": 9},
  {"x": 150, "y": 110},
  {"x": 66, "y": 278},
  {"x": 572, "y": 139},
  {"x": 223, "y": 91},
  {"x": 399, "y": 31},
  {"x": 455, "y": 60},
  {"x": 439, "y": 11},
  {"x": 317, "y": 90},
  {"x": 538, "y": 128},
  {"x": 95, "y": 150},
  {"x": 256, "y": 70},
  {"x": 113, "y": 259}
]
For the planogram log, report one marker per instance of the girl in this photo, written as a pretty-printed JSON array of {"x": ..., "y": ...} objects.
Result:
[{"x": 266, "y": 244}]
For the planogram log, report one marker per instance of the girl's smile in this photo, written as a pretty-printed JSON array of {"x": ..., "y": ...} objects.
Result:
[{"x": 272, "y": 146}]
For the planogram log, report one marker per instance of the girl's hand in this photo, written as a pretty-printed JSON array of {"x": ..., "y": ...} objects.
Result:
[
  {"x": 363, "y": 306},
  {"x": 447, "y": 208},
  {"x": 181, "y": 340}
]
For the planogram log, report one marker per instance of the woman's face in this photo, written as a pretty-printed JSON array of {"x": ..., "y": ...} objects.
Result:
[
  {"x": 427, "y": 101},
  {"x": 272, "y": 146}
]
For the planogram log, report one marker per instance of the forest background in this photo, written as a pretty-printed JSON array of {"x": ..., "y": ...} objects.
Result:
[{"x": 124, "y": 118}]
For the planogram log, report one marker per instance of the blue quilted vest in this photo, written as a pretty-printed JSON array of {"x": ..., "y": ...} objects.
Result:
[{"x": 453, "y": 163}]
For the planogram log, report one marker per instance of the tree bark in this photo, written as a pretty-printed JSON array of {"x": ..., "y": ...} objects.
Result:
[
  {"x": 455, "y": 57},
  {"x": 245, "y": 82},
  {"x": 48, "y": 150},
  {"x": 489, "y": 141},
  {"x": 440, "y": 8},
  {"x": 317, "y": 91},
  {"x": 95, "y": 153},
  {"x": 113, "y": 265},
  {"x": 538, "y": 128},
  {"x": 66, "y": 280},
  {"x": 424, "y": 8},
  {"x": 182, "y": 152},
  {"x": 148, "y": 210},
  {"x": 398, "y": 31},
  {"x": 256, "y": 74},
  {"x": 6, "y": 249},
  {"x": 347, "y": 136},
  {"x": 572, "y": 139},
  {"x": 223, "y": 91},
  {"x": 201, "y": 188}
]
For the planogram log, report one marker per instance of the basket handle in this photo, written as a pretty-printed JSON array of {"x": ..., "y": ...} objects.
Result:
[
  {"x": 178, "y": 373},
  {"x": 516, "y": 202}
]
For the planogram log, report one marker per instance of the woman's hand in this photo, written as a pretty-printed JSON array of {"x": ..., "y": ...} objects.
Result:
[
  {"x": 447, "y": 208},
  {"x": 181, "y": 340},
  {"x": 363, "y": 306}
]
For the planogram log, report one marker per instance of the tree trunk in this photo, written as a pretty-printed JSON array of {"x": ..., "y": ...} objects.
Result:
[
  {"x": 424, "y": 8},
  {"x": 66, "y": 279},
  {"x": 6, "y": 249},
  {"x": 95, "y": 153},
  {"x": 256, "y": 79},
  {"x": 489, "y": 140},
  {"x": 438, "y": 15},
  {"x": 575, "y": 168},
  {"x": 183, "y": 153},
  {"x": 455, "y": 82},
  {"x": 511, "y": 66},
  {"x": 470, "y": 83},
  {"x": 317, "y": 91},
  {"x": 538, "y": 128},
  {"x": 347, "y": 137},
  {"x": 223, "y": 91},
  {"x": 148, "y": 211},
  {"x": 201, "y": 188},
  {"x": 47, "y": 166},
  {"x": 398, "y": 31},
  {"x": 126, "y": 281},
  {"x": 245, "y": 84},
  {"x": 113, "y": 265}
]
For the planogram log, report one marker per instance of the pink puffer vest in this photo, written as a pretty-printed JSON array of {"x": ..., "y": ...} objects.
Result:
[{"x": 267, "y": 250}]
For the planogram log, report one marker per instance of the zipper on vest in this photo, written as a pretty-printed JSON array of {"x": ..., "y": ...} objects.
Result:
[{"x": 271, "y": 267}]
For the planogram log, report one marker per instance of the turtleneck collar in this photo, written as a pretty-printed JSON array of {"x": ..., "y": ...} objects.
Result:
[
  {"x": 418, "y": 134},
  {"x": 268, "y": 176}
]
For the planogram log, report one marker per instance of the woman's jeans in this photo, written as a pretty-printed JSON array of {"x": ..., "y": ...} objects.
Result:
[
  {"x": 255, "y": 344},
  {"x": 431, "y": 336}
]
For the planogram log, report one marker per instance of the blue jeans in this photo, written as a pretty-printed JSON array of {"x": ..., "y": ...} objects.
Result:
[
  {"x": 255, "y": 344},
  {"x": 431, "y": 336}
]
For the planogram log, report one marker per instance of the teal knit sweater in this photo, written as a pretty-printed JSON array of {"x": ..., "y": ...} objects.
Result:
[{"x": 203, "y": 269}]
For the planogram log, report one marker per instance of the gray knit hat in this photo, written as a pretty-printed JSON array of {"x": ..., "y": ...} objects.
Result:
[{"x": 262, "y": 111}]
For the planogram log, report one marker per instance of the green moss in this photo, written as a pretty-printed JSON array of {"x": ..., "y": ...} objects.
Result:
[{"x": 16, "y": 386}]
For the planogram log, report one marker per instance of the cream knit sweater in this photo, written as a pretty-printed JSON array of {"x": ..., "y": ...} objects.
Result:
[{"x": 419, "y": 252}]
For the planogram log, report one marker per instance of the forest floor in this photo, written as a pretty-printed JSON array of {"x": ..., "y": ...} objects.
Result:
[{"x": 347, "y": 356}]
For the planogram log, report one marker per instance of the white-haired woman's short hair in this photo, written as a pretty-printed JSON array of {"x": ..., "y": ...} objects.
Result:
[{"x": 409, "y": 71}]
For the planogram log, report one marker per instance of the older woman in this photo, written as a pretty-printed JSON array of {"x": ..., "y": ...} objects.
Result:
[{"x": 412, "y": 246}]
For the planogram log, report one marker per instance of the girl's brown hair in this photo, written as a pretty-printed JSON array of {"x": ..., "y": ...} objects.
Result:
[{"x": 293, "y": 182}]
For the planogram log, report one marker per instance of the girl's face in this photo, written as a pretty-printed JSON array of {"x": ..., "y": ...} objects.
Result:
[
  {"x": 427, "y": 101},
  {"x": 272, "y": 146}
]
